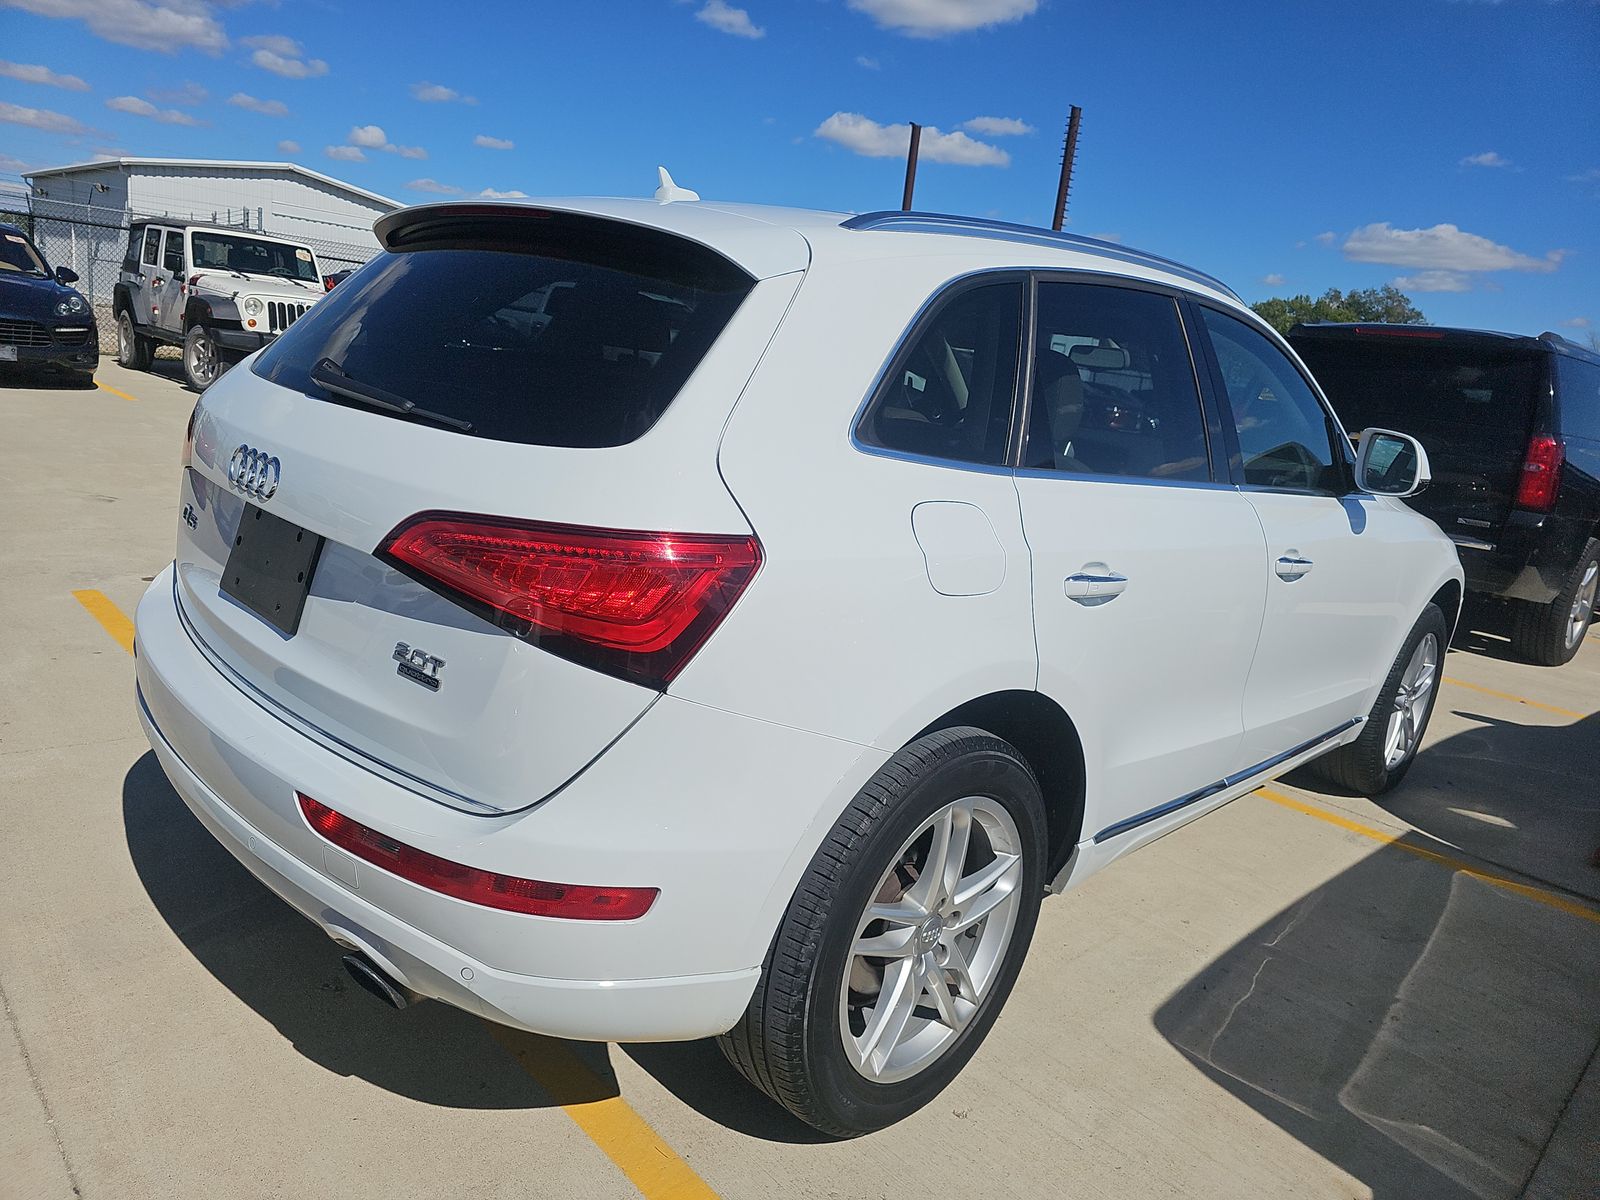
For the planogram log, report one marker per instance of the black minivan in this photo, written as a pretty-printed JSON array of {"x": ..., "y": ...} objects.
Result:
[{"x": 1511, "y": 425}]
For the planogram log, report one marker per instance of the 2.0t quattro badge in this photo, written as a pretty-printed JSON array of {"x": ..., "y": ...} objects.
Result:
[{"x": 418, "y": 665}]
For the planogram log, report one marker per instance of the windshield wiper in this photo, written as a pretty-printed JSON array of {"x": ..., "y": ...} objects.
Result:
[{"x": 331, "y": 377}]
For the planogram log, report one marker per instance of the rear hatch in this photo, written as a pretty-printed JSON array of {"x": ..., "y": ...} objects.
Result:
[
  {"x": 528, "y": 382},
  {"x": 1471, "y": 400}
]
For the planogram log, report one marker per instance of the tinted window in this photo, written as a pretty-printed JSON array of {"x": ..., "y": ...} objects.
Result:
[
  {"x": 1113, "y": 386},
  {"x": 172, "y": 259},
  {"x": 18, "y": 256},
  {"x": 152, "y": 246},
  {"x": 951, "y": 392},
  {"x": 1284, "y": 435},
  {"x": 1578, "y": 387},
  {"x": 252, "y": 256},
  {"x": 1439, "y": 392},
  {"x": 540, "y": 329}
]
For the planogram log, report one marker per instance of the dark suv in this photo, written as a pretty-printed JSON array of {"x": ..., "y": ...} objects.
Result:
[
  {"x": 44, "y": 321},
  {"x": 1511, "y": 425}
]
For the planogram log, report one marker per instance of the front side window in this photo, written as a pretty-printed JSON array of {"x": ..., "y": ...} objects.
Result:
[
  {"x": 152, "y": 246},
  {"x": 252, "y": 256},
  {"x": 1113, "y": 386},
  {"x": 172, "y": 260},
  {"x": 1284, "y": 436},
  {"x": 951, "y": 392}
]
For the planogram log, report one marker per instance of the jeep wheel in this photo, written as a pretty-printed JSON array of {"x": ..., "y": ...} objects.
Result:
[
  {"x": 133, "y": 350},
  {"x": 202, "y": 358}
]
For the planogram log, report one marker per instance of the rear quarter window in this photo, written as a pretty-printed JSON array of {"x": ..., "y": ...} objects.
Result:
[
  {"x": 1578, "y": 393},
  {"x": 537, "y": 328}
]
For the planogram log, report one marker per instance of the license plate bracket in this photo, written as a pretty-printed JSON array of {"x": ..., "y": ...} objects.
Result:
[
  {"x": 8, "y": 354},
  {"x": 270, "y": 566}
]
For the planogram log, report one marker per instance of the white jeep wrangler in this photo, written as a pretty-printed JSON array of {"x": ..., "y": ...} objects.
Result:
[{"x": 218, "y": 293}]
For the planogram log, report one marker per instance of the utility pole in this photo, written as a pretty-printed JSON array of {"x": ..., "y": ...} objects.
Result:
[
  {"x": 1069, "y": 151},
  {"x": 911, "y": 167}
]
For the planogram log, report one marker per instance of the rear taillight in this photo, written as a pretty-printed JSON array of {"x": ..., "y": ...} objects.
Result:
[
  {"x": 1541, "y": 474},
  {"x": 633, "y": 604},
  {"x": 576, "y": 902}
]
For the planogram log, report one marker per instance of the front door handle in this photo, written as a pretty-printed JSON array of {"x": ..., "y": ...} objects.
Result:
[
  {"x": 1292, "y": 566},
  {"x": 1095, "y": 584}
]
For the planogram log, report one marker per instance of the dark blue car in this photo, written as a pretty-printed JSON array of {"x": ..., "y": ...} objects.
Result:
[{"x": 43, "y": 320}]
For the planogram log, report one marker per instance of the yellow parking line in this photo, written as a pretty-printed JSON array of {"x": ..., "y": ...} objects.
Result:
[
  {"x": 1478, "y": 687},
  {"x": 109, "y": 616},
  {"x": 611, "y": 1123},
  {"x": 106, "y": 387},
  {"x": 1539, "y": 895}
]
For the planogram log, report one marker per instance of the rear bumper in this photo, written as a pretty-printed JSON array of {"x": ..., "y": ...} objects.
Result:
[
  {"x": 725, "y": 847},
  {"x": 1530, "y": 558}
]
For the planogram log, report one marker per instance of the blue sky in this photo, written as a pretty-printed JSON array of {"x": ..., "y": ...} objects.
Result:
[{"x": 1287, "y": 147}]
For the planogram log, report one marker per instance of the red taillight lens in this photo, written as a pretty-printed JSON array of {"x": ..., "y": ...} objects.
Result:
[
  {"x": 573, "y": 901},
  {"x": 1541, "y": 474},
  {"x": 634, "y": 604}
]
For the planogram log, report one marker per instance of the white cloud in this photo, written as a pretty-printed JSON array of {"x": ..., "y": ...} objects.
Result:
[
  {"x": 721, "y": 15},
  {"x": 1440, "y": 248},
  {"x": 1489, "y": 158},
  {"x": 407, "y": 151},
  {"x": 493, "y": 143},
  {"x": 345, "y": 153},
  {"x": 1327, "y": 238},
  {"x": 492, "y": 194},
  {"x": 434, "y": 186},
  {"x": 134, "y": 106},
  {"x": 288, "y": 146},
  {"x": 164, "y": 25},
  {"x": 284, "y": 56},
  {"x": 190, "y": 93},
  {"x": 936, "y": 18},
  {"x": 371, "y": 136},
  {"x": 864, "y": 136},
  {"x": 1577, "y": 323},
  {"x": 1434, "y": 281},
  {"x": 34, "y": 73},
  {"x": 1274, "y": 280},
  {"x": 13, "y": 166},
  {"x": 267, "y": 108},
  {"x": 437, "y": 93},
  {"x": 997, "y": 126},
  {"x": 870, "y": 64},
  {"x": 40, "y": 118}
]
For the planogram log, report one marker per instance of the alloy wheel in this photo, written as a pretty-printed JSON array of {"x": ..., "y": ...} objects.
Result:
[
  {"x": 124, "y": 339},
  {"x": 931, "y": 943},
  {"x": 1583, "y": 605},
  {"x": 202, "y": 362},
  {"x": 1411, "y": 702}
]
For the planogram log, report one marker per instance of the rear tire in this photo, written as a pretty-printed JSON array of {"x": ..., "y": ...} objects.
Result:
[
  {"x": 848, "y": 1040},
  {"x": 1549, "y": 635},
  {"x": 134, "y": 350},
  {"x": 1378, "y": 760}
]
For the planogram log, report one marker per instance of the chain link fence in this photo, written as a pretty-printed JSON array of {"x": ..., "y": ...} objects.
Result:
[{"x": 93, "y": 242}]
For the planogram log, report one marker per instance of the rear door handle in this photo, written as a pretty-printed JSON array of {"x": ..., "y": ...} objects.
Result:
[
  {"x": 1095, "y": 583},
  {"x": 1291, "y": 566}
]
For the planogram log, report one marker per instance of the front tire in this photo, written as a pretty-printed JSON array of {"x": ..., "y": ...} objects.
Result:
[
  {"x": 1379, "y": 759},
  {"x": 134, "y": 351},
  {"x": 202, "y": 358},
  {"x": 903, "y": 939},
  {"x": 1549, "y": 635}
]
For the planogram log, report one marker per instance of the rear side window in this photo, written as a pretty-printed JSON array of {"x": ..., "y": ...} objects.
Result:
[
  {"x": 1578, "y": 389},
  {"x": 1443, "y": 394},
  {"x": 530, "y": 327},
  {"x": 951, "y": 391},
  {"x": 172, "y": 257}
]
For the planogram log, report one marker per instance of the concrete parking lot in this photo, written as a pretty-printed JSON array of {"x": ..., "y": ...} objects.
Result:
[{"x": 1303, "y": 994}]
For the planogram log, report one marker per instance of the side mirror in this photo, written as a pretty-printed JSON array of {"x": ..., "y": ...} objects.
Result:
[
  {"x": 1391, "y": 464},
  {"x": 65, "y": 275}
]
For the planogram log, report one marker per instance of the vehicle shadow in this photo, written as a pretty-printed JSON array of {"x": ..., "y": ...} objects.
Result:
[
  {"x": 288, "y": 972},
  {"x": 1485, "y": 628},
  {"x": 1415, "y": 1026},
  {"x": 13, "y": 377}
]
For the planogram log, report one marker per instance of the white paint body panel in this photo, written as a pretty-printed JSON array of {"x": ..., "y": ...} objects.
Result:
[{"x": 892, "y": 591}]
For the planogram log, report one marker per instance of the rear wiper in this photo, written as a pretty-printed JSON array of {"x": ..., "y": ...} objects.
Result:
[{"x": 331, "y": 377}]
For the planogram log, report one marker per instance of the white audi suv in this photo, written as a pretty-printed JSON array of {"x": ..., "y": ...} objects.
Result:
[{"x": 645, "y": 621}]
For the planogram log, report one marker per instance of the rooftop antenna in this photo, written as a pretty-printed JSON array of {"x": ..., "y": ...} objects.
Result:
[
  {"x": 669, "y": 192},
  {"x": 1069, "y": 151},
  {"x": 911, "y": 167}
]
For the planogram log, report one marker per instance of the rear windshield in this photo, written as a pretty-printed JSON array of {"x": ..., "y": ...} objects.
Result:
[
  {"x": 1436, "y": 391},
  {"x": 542, "y": 329}
]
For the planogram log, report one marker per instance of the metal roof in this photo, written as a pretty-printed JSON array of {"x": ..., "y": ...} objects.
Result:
[{"x": 218, "y": 164}]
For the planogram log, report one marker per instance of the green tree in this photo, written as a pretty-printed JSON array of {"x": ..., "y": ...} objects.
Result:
[{"x": 1386, "y": 303}]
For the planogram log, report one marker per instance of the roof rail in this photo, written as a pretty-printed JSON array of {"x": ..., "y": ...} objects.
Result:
[{"x": 895, "y": 221}]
